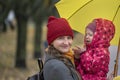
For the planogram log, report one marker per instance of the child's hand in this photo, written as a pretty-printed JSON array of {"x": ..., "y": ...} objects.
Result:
[{"x": 77, "y": 51}]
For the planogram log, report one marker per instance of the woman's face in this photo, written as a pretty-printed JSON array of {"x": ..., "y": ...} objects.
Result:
[
  {"x": 63, "y": 43},
  {"x": 88, "y": 36}
]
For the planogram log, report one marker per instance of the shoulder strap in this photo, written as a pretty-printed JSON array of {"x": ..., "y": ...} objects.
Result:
[{"x": 40, "y": 63}]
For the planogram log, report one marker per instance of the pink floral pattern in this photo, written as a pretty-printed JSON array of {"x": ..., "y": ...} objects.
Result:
[{"x": 93, "y": 63}]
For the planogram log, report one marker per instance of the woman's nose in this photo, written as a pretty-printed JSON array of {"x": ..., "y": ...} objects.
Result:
[{"x": 66, "y": 41}]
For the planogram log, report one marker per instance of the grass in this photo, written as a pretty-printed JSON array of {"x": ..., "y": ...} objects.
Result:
[{"x": 7, "y": 56}]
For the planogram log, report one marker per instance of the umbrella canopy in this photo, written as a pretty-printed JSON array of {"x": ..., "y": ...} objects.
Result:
[{"x": 80, "y": 12}]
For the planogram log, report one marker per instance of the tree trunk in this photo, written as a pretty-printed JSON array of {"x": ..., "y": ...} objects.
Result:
[
  {"x": 21, "y": 42},
  {"x": 38, "y": 38}
]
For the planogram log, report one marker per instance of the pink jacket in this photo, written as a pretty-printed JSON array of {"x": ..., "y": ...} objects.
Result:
[{"x": 93, "y": 63}]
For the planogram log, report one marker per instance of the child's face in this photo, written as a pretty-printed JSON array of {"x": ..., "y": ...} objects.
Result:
[
  {"x": 88, "y": 36},
  {"x": 63, "y": 43}
]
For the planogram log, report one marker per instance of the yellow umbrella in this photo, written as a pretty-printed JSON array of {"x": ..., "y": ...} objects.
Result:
[
  {"x": 80, "y": 12},
  {"x": 117, "y": 78}
]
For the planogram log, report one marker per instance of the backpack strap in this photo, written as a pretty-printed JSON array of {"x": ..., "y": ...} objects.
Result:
[{"x": 40, "y": 63}]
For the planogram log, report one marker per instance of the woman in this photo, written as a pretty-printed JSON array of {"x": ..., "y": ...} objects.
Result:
[{"x": 58, "y": 65}]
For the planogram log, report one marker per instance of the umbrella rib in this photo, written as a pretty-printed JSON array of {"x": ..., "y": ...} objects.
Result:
[
  {"x": 117, "y": 60},
  {"x": 116, "y": 13},
  {"x": 79, "y": 9}
]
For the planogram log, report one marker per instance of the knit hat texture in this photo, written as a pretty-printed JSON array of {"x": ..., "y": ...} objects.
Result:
[
  {"x": 57, "y": 27},
  {"x": 92, "y": 26}
]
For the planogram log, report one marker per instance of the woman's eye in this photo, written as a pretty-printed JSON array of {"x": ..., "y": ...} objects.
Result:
[
  {"x": 69, "y": 37},
  {"x": 60, "y": 38},
  {"x": 64, "y": 37}
]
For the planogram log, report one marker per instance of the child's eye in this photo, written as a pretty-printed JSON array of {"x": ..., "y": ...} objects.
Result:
[{"x": 90, "y": 34}]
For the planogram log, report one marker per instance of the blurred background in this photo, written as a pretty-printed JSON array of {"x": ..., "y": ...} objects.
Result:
[{"x": 23, "y": 36}]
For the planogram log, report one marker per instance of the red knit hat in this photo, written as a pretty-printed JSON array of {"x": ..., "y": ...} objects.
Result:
[
  {"x": 57, "y": 27},
  {"x": 92, "y": 26}
]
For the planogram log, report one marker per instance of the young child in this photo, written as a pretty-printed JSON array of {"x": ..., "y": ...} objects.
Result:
[
  {"x": 93, "y": 62},
  {"x": 58, "y": 65}
]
